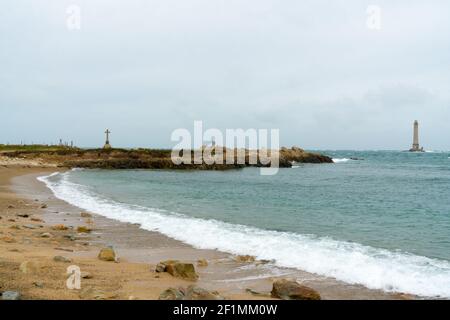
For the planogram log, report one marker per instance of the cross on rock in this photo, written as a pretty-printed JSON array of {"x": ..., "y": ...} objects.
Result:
[{"x": 107, "y": 145}]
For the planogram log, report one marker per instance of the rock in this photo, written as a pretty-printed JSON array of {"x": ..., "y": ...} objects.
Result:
[
  {"x": 60, "y": 227},
  {"x": 44, "y": 206},
  {"x": 85, "y": 275},
  {"x": 11, "y": 220},
  {"x": 11, "y": 207},
  {"x": 37, "y": 220},
  {"x": 107, "y": 254},
  {"x": 178, "y": 269},
  {"x": 11, "y": 295},
  {"x": 62, "y": 259},
  {"x": 22, "y": 215},
  {"x": 16, "y": 227},
  {"x": 191, "y": 293},
  {"x": 64, "y": 249},
  {"x": 171, "y": 294},
  {"x": 83, "y": 229},
  {"x": 291, "y": 290},
  {"x": 161, "y": 267},
  {"x": 46, "y": 235},
  {"x": 28, "y": 267},
  {"x": 256, "y": 293},
  {"x": 181, "y": 270},
  {"x": 196, "y": 293},
  {"x": 8, "y": 239},
  {"x": 70, "y": 237},
  {"x": 245, "y": 258},
  {"x": 202, "y": 263},
  {"x": 30, "y": 226},
  {"x": 38, "y": 284},
  {"x": 85, "y": 215}
]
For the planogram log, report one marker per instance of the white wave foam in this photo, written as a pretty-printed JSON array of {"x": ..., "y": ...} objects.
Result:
[
  {"x": 340, "y": 160},
  {"x": 349, "y": 262}
]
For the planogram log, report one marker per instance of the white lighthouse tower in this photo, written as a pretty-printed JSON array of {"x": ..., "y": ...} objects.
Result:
[{"x": 415, "y": 146}]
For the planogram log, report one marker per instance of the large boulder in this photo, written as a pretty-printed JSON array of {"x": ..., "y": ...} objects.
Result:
[
  {"x": 107, "y": 254},
  {"x": 178, "y": 269},
  {"x": 292, "y": 290}
]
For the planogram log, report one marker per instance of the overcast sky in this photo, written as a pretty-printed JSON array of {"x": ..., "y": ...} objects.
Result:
[{"x": 312, "y": 69}]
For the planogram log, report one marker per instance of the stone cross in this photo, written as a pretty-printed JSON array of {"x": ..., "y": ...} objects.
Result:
[{"x": 107, "y": 136}]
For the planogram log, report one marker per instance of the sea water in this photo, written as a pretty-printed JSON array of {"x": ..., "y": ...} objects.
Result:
[{"x": 381, "y": 219}]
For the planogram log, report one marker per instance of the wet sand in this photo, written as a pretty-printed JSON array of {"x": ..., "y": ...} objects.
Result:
[{"x": 138, "y": 250}]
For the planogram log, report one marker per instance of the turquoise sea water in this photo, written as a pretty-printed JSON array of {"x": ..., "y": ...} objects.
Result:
[{"x": 382, "y": 221}]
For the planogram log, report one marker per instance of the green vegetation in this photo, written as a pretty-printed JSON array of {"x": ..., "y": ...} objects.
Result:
[{"x": 33, "y": 148}]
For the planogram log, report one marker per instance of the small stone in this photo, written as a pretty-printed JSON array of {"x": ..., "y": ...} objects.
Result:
[
  {"x": 46, "y": 235},
  {"x": 16, "y": 227},
  {"x": 171, "y": 294},
  {"x": 64, "y": 249},
  {"x": 38, "y": 284},
  {"x": 11, "y": 220},
  {"x": 61, "y": 259},
  {"x": 107, "y": 254},
  {"x": 44, "y": 206},
  {"x": 196, "y": 293},
  {"x": 10, "y": 295},
  {"x": 11, "y": 207},
  {"x": 60, "y": 227},
  {"x": 85, "y": 275},
  {"x": 245, "y": 258},
  {"x": 86, "y": 215},
  {"x": 202, "y": 263},
  {"x": 30, "y": 226},
  {"x": 83, "y": 229},
  {"x": 22, "y": 215},
  {"x": 256, "y": 293},
  {"x": 69, "y": 237},
  {"x": 37, "y": 220}
]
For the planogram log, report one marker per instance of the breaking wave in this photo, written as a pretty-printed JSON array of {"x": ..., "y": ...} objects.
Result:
[{"x": 350, "y": 262}]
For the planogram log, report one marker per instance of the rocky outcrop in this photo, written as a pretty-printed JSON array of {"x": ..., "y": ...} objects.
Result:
[
  {"x": 291, "y": 290},
  {"x": 178, "y": 269},
  {"x": 156, "y": 159}
]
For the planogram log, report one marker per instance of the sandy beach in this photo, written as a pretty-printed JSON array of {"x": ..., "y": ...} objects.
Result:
[{"x": 29, "y": 212}]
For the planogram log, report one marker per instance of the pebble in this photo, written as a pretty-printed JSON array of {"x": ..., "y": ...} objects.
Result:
[
  {"x": 61, "y": 259},
  {"x": 10, "y": 295},
  {"x": 46, "y": 235}
]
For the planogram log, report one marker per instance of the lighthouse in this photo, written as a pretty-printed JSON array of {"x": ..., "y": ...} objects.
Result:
[{"x": 415, "y": 146}]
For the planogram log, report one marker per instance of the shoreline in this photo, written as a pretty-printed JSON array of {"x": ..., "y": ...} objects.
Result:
[{"x": 142, "y": 250}]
